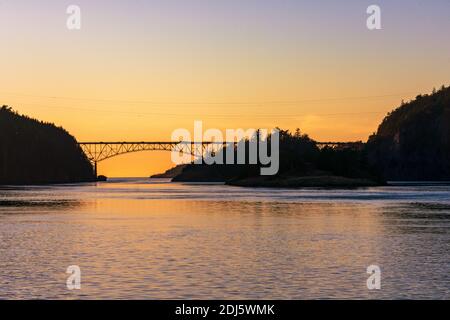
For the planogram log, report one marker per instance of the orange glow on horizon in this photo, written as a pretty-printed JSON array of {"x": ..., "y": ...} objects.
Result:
[{"x": 138, "y": 71}]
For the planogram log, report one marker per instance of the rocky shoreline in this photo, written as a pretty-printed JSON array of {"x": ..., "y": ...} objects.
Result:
[{"x": 304, "y": 182}]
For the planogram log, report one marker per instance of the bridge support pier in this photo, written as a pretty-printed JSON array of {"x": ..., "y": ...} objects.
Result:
[{"x": 95, "y": 169}]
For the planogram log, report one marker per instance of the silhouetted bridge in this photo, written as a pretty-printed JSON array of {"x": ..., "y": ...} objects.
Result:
[{"x": 100, "y": 151}]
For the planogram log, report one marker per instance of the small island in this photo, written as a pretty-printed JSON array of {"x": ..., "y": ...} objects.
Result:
[{"x": 303, "y": 164}]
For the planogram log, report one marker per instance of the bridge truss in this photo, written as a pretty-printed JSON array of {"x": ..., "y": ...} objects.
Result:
[
  {"x": 100, "y": 151},
  {"x": 358, "y": 145}
]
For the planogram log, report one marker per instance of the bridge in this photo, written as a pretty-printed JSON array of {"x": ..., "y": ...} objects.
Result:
[{"x": 100, "y": 151}]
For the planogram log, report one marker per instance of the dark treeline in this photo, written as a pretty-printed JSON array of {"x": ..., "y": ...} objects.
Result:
[
  {"x": 413, "y": 141},
  {"x": 299, "y": 156},
  {"x": 34, "y": 152}
]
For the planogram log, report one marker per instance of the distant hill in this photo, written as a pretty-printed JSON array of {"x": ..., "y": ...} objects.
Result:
[
  {"x": 413, "y": 142},
  {"x": 34, "y": 152},
  {"x": 171, "y": 173}
]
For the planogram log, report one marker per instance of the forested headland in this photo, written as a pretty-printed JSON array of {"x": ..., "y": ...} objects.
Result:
[
  {"x": 36, "y": 152},
  {"x": 413, "y": 142}
]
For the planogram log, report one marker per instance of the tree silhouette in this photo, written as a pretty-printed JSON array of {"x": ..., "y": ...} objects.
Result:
[
  {"x": 413, "y": 141},
  {"x": 33, "y": 152}
]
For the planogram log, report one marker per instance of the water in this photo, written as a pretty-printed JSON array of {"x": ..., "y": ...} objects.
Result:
[{"x": 142, "y": 239}]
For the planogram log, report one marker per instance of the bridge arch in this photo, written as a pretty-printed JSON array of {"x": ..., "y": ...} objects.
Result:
[{"x": 100, "y": 151}]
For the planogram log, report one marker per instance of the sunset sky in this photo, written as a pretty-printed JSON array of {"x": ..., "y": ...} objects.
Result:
[{"x": 137, "y": 70}]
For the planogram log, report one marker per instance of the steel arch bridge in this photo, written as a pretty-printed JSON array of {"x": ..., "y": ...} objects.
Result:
[{"x": 100, "y": 151}]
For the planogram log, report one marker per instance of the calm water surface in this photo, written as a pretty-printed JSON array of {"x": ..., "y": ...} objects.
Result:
[{"x": 142, "y": 239}]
